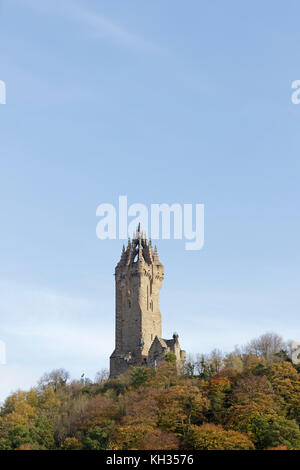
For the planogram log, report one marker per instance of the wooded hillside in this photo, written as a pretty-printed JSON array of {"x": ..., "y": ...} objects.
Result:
[{"x": 248, "y": 399}]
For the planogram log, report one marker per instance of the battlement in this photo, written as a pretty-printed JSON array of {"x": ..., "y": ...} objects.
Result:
[{"x": 139, "y": 251}]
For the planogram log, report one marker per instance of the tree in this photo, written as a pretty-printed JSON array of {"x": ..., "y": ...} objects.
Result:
[
  {"x": 164, "y": 376},
  {"x": 139, "y": 376},
  {"x": 42, "y": 433},
  {"x": 250, "y": 401},
  {"x": 140, "y": 407},
  {"x": 266, "y": 346},
  {"x": 251, "y": 395},
  {"x": 215, "y": 360},
  {"x": 101, "y": 376},
  {"x": 97, "y": 438},
  {"x": 212, "y": 437},
  {"x": 143, "y": 437},
  {"x": 71, "y": 443},
  {"x": 56, "y": 379},
  {"x": 99, "y": 410},
  {"x": 189, "y": 369},
  {"x": 203, "y": 367},
  {"x": 273, "y": 431},
  {"x": 170, "y": 357},
  {"x": 16, "y": 409},
  {"x": 217, "y": 390},
  {"x": 18, "y": 435},
  {"x": 285, "y": 380},
  {"x": 234, "y": 360},
  {"x": 253, "y": 364},
  {"x": 181, "y": 406}
]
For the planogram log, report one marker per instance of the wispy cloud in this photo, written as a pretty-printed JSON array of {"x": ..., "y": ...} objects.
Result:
[
  {"x": 97, "y": 25},
  {"x": 102, "y": 27}
]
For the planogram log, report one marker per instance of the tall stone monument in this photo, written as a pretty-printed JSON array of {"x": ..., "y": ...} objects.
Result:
[{"x": 138, "y": 276}]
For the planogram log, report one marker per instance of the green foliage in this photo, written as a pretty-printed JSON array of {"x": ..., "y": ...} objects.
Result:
[
  {"x": 273, "y": 431},
  {"x": 97, "y": 438},
  {"x": 189, "y": 369},
  {"x": 42, "y": 433},
  {"x": 170, "y": 357},
  {"x": 139, "y": 376},
  {"x": 206, "y": 369},
  {"x": 18, "y": 435}
]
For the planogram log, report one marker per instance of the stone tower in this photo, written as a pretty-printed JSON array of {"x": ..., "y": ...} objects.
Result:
[{"x": 138, "y": 276}]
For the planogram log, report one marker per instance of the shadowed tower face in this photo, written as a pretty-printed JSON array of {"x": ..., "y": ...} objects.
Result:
[{"x": 138, "y": 277}]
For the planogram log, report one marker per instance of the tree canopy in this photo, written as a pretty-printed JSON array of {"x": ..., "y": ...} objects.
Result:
[{"x": 245, "y": 400}]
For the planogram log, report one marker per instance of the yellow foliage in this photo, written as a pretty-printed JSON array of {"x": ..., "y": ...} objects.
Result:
[
  {"x": 180, "y": 406},
  {"x": 211, "y": 437},
  {"x": 21, "y": 411},
  {"x": 71, "y": 443}
]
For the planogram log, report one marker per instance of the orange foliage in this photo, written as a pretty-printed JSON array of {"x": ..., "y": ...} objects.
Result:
[
  {"x": 98, "y": 410},
  {"x": 252, "y": 395},
  {"x": 143, "y": 437},
  {"x": 212, "y": 437},
  {"x": 180, "y": 406}
]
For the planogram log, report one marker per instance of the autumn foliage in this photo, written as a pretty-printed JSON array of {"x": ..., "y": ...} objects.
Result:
[{"x": 246, "y": 400}]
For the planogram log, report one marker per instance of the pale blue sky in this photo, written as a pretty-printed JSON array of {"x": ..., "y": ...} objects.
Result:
[{"x": 163, "y": 101}]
